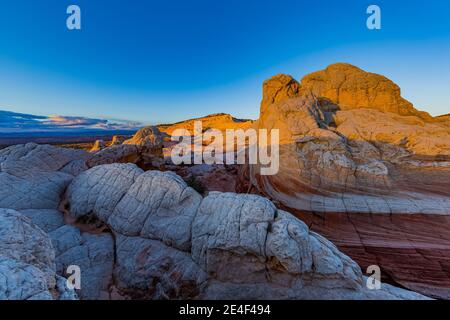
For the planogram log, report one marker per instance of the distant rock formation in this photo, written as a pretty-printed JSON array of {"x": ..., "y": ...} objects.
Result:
[
  {"x": 148, "y": 137},
  {"x": 117, "y": 140},
  {"x": 98, "y": 145},
  {"x": 221, "y": 121},
  {"x": 144, "y": 149}
]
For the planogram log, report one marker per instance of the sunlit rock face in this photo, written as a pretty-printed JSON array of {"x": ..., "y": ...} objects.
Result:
[
  {"x": 145, "y": 149},
  {"x": 350, "y": 143},
  {"x": 359, "y": 164},
  {"x": 346, "y": 87},
  {"x": 98, "y": 145}
]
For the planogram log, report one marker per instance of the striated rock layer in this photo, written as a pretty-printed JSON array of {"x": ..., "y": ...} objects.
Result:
[
  {"x": 412, "y": 250},
  {"x": 352, "y": 160},
  {"x": 351, "y": 145}
]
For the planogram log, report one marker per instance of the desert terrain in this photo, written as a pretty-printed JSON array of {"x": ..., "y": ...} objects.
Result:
[{"x": 364, "y": 180}]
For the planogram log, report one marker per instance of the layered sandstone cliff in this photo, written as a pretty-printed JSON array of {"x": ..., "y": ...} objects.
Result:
[
  {"x": 370, "y": 152},
  {"x": 361, "y": 165}
]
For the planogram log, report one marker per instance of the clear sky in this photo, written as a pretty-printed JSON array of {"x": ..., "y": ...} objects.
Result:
[{"x": 163, "y": 61}]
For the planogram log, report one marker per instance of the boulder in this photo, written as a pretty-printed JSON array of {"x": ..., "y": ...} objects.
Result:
[
  {"x": 117, "y": 140},
  {"x": 34, "y": 176},
  {"x": 172, "y": 243},
  {"x": 22, "y": 281},
  {"x": 144, "y": 149},
  {"x": 153, "y": 205},
  {"x": 98, "y": 145},
  {"x": 27, "y": 261},
  {"x": 92, "y": 253},
  {"x": 22, "y": 240},
  {"x": 46, "y": 219},
  {"x": 149, "y": 269}
]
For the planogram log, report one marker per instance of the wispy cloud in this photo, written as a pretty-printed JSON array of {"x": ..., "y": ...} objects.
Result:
[{"x": 20, "y": 122}]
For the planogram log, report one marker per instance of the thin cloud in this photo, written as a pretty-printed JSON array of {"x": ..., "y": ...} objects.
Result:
[{"x": 20, "y": 122}]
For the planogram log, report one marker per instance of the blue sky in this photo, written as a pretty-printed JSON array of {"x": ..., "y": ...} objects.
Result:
[{"x": 164, "y": 61}]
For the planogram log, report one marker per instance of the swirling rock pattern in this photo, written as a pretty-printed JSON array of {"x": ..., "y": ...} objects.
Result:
[
  {"x": 361, "y": 165},
  {"x": 223, "y": 246},
  {"x": 371, "y": 154}
]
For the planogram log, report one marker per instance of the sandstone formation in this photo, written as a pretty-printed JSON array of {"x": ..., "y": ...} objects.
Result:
[
  {"x": 34, "y": 176},
  {"x": 412, "y": 250},
  {"x": 167, "y": 241},
  {"x": 345, "y": 87},
  {"x": 144, "y": 149},
  {"x": 351, "y": 146},
  {"x": 171, "y": 242},
  {"x": 221, "y": 121},
  {"x": 146, "y": 234},
  {"x": 116, "y": 140},
  {"x": 27, "y": 261},
  {"x": 163, "y": 240},
  {"x": 40, "y": 238},
  {"x": 352, "y": 160},
  {"x": 98, "y": 145},
  {"x": 33, "y": 179}
]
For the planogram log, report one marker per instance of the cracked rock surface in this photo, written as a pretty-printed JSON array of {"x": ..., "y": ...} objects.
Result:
[
  {"x": 225, "y": 245},
  {"x": 27, "y": 261},
  {"x": 34, "y": 176}
]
